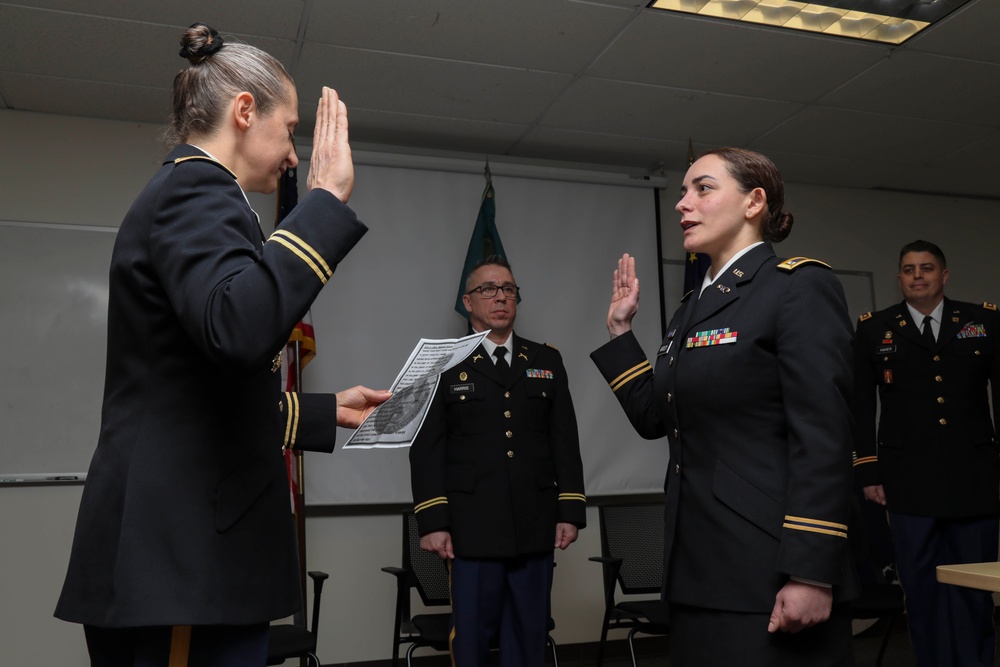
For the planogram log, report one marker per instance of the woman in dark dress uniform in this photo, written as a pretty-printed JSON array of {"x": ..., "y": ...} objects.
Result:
[
  {"x": 751, "y": 388},
  {"x": 184, "y": 547}
]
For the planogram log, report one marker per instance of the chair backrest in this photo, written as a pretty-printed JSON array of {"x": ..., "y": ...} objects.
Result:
[
  {"x": 634, "y": 533},
  {"x": 429, "y": 574}
]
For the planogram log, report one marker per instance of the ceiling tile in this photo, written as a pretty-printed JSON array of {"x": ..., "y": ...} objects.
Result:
[
  {"x": 446, "y": 134},
  {"x": 626, "y": 109},
  {"x": 554, "y": 36},
  {"x": 969, "y": 32},
  {"x": 824, "y": 131},
  {"x": 86, "y": 98},
  {"x": 142, "y": 54},
  {"x": 428, "y": 86},
  {"x": 648, "y": 156},
  {"x": 898, "y": 85},
  {"x": 250, "y": 17},
  {"x": 693, "y": 52}
]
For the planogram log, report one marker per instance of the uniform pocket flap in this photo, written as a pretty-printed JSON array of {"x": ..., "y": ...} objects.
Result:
[{"x": 747, "y": 500}]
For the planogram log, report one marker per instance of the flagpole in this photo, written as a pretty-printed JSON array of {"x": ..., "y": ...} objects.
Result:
[{"x": 300, "y": 515}]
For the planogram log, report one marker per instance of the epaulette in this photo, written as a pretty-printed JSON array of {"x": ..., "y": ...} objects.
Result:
[
  {"x": 205, "y": 158},
  {"x": 795, "y": 262},
  {"x": 689, "y": 293},
  {"x": 552, "y": 346},
  {"x": 989, "y": 306},
  {"x": 866, "y": 316}
]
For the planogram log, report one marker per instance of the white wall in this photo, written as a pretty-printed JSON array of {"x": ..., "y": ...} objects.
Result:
[{"x": 71, "y": 170}]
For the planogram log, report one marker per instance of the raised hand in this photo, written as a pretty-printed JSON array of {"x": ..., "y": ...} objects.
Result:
[
  {"x": 624, "y": 297},
  {"x": 331, "y": 166}
]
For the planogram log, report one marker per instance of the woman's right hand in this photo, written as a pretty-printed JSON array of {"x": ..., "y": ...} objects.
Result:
[
  {"x": 624, "y": 297},
  {"x": 331, "y": 166}
]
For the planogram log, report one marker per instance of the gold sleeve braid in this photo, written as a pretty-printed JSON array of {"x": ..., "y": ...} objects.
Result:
[
  {"x": 630, "y": 375},
  {"x": 291, "y": 420},
  {"x": 305, "y": 252}
]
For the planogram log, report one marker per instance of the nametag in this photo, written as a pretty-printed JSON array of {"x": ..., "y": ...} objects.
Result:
[
  {"x": 712, "y": 337},
  {"x": 466, "y": 388},
  {"x": 885, "y": 349}
]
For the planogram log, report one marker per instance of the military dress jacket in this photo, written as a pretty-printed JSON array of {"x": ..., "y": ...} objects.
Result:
[
  {"x": 185, "y": 516},
  {"x": 497, "y": 461},
  {"x": 935, "y": 452},
  {"x": 751, "y": 387}
]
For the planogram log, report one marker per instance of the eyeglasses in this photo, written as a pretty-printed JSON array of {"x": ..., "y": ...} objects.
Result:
[{"x": 490, "y": 291}]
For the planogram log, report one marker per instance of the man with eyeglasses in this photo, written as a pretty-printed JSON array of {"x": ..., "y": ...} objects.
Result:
[{"x": 498, "y": 480}]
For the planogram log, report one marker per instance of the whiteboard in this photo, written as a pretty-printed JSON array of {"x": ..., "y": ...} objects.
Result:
[{"x": 53, "y": 335}]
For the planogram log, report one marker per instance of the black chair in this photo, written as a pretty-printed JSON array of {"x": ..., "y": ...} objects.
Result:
[
  {"x": 292, "y": 640},
  {"x": 879, "y": 598},
  {"x": 632, "y": 559},
  {"x": 427, "y": 573}
]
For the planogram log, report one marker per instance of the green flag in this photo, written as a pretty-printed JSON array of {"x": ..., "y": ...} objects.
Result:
[{"x": 485, "y": 241}]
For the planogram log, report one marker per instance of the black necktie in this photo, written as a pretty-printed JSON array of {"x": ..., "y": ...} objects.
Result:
[
  {"x": 927, "y": 332},
  {"x": 503, "y": 368}
]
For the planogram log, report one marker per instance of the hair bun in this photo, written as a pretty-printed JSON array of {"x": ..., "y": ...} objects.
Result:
[{"x": 196, "y": 44}]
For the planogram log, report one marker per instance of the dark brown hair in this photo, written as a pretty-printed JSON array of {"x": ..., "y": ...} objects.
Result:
[{"x": 753, "y": 170}]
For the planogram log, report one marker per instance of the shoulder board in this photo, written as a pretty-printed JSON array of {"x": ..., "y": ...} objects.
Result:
[
  {"x": 552, "y": 346},
  {"x": 689, "y": 293},
  {"x": 866, "y": 316},
  {"x": 989, "y": 306},
  {"x": 795, "y": 262},
  {"x": 205, "y": 158}
]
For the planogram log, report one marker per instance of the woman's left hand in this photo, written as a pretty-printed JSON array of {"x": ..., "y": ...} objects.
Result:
[{"x": 799, "y": 605}]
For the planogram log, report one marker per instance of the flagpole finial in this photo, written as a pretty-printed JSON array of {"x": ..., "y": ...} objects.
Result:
[
  {"x": 690, "y": 153},
  {"x": 486, "y": 171}
]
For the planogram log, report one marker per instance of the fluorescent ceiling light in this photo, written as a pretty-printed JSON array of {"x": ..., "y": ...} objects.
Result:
[{"x": 886, "y": 21}]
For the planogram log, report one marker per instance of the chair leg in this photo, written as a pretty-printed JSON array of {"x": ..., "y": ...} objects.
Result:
[
  {"x": 631, "y": 647},
  {"x": 313, "y": 660},
  {"x": 409, "y": 655},
  {"x": 885, "y": 640},
  {"x": 552, "y": 645},
  {"x": 604, "y": 639}
]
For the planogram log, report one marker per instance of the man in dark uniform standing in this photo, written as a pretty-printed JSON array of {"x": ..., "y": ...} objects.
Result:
[
  {"x": 934, "y": 462},
  {"x": 498, "y": 480}
]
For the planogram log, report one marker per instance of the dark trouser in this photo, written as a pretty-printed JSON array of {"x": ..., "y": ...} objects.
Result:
[
  {"x": 503, "y": 603},
  {"x": 711, "y": 638},
  {"x": 950, "y": 626},
  {"x": 178, "y": 646}
]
